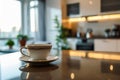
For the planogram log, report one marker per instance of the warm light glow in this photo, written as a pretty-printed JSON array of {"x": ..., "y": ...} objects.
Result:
[
  {"x": 74, "y": 20},
  {"x": 93, "y": 18},
  {"x": 90, "y": 2},
  {"x": 72, "y": 76},
  {"x": 69, "y": 24},
  {"x": 103, "y": 56},
  {"x": 77, "y": 19},
  {"x": 103, "y": 17},
  {"x": 77, "y": 53},
  {"x": 96, "y": 55},
  {"x": 65, "y": 20},
  {"x": 111, "y": 67}
]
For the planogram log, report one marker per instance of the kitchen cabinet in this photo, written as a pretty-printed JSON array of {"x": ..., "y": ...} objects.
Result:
[
  {"x": 110, "y": 6},
  {"x": 109, "y": 45},
  {"x": 73, "y": 8},
  {"x": 87, "y": 7},
  {"x": 96, "y": 7}
]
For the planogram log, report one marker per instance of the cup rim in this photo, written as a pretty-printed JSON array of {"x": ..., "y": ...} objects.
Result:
[{"x": 39, "y": 46}]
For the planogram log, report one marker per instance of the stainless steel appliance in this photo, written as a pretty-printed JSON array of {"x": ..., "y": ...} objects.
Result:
[{"x": 85, "y": 44}]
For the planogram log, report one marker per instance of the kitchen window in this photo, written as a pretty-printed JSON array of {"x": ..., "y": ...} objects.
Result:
[
  {"x": 22, "y": 16},
  {"x": 33, "y": 19},
  {"x": 10, "y": 20}
]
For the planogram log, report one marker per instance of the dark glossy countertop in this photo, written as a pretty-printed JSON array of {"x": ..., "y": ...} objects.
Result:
[{"x": 71, "y": 65}]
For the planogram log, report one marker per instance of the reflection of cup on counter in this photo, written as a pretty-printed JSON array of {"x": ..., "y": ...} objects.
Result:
[{"x": 38, "y": 72}]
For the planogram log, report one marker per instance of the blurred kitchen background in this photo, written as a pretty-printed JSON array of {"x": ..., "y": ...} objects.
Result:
[{"x": 85, "y": 22}]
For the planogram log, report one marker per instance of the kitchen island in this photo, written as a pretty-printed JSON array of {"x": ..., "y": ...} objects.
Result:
[{"x": 71, "y": 65}]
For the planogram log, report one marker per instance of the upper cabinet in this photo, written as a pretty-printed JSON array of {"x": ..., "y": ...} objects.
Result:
[
  {"x": 86, "y": 7},
  {"x": 110, "y": 6},
  {"x": 73, "y": 8},
  {"x": 89, "y": 7},
  {"x": 77, "y": 8}
]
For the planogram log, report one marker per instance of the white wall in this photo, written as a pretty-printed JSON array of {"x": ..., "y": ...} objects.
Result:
[{"x": 53, "y": 8}]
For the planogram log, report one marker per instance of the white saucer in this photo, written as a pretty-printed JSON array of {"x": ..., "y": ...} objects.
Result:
[{"x": 30, "y": 60}]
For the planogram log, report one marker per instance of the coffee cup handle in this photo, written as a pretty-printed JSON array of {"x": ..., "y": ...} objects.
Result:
[{"x": 21, "y": 50}]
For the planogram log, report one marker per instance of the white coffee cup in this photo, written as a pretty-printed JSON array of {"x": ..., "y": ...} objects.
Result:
[{"x": 37, "y": 51}]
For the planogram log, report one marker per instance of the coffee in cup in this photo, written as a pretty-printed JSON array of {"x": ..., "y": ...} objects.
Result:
[{"x": 37, "y": 51}]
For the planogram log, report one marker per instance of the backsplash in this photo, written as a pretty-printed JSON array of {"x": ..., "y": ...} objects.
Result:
[{"x": 98, "y": 28}]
